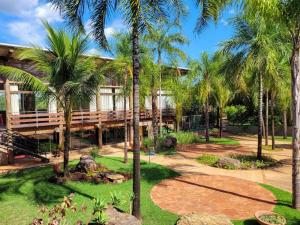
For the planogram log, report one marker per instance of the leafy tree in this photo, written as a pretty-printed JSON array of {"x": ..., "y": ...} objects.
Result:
[
  {"x": 137, "y": 15},
  {"x": 162, "y": 41},
  {"x": 253, "y": 53},
  {"x": 204, "y": 72},
  {"x": 286, "y": 13},
  {"x": 71, "y": 76}
]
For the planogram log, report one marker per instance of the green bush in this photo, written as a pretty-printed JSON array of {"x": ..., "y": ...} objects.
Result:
[
  {"x": 186, "y": 137},
  {"x": 209, "y": 160},
  {"x": 148, "y": 143},
  {"x": 94, "y": 152},
  {"x": 235, "y": 114}
]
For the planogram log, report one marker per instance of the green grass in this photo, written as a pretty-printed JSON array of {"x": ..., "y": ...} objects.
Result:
[
  {"x": 209, "y": 160},
  {"x": 221, "y": 141},
  {"x": 21, "y": 193},
  {"x": 283, "y": 207},
  {"x": 280, "y": 138}
]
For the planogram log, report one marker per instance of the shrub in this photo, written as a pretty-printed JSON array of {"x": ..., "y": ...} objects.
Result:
[
  {"x": 116, "y": 200},
  {"x": 99, "y": 207},
  {"x": 186, "y": 137},
  {"x": 148, "y": 143},
  {"x": 235, "y": 114},
  {"x": 94, "y": 152}
]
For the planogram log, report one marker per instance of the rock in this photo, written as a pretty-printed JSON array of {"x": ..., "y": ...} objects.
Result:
[
  {"x": 169, "y": 142},
  {"x": 115, "y": 178},
  {"x": 120, "y": 218},
  {"x": 229, "y": 163},
  {"x": 196, "y": 219},
  {"x": 86, "y": 164}
]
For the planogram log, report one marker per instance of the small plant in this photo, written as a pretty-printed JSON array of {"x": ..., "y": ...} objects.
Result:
[
  {"x": 116, "y": 200},
  {"x": 209, "y": 160},
  {"x": 148, "y": 143},
  {"x": 99, "y": 207},
  {"x": 272, "y": 219},
  {"x": 94, "y": 152},
  {"x": 130, "y": 200},
  {"x": 56, "y": 214}
]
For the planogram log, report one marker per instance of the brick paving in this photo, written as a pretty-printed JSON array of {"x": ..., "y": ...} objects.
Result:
[{"x": 212, "y": 195}]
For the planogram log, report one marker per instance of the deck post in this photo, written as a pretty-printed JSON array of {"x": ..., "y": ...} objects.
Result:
[{"x": 99, "y": 125}]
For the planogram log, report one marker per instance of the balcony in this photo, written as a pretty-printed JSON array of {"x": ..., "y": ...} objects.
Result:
[{"x": 43, "y": 119}]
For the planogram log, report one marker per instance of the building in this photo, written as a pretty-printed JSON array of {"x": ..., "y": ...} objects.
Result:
[{"x": 24, "y": 115}]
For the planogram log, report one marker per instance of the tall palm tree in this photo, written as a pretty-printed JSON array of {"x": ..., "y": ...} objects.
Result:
[
  {"x": 204, "y": 72},
  {"x": 71, "y": 76},
  {"x": 253, "y": 52},
  {"x": 162, "y": 41},
  {"x": 137, "y": 15},
  {"x": 284, "y": 13},
  {"x": 222, "y": 95}
]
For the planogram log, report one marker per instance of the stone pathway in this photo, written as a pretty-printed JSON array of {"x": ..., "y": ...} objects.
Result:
[{"x": 212, "y": 195}]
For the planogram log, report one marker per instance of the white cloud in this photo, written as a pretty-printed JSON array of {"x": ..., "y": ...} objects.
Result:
[
  {"x": 26, "y": 32},
  {"x": 48, "y": 12},
  {"x": 115, "y": 27},
  {"x": 93, "y": 51},
  {"x": 17, "y": 7},
  {"x": 224, "y": 22},
  {"x": 27, "y": 27},
  {"x": 232, "y": 12}
]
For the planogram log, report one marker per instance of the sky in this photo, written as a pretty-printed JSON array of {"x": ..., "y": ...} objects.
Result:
[{"x": 20, "y": 23}]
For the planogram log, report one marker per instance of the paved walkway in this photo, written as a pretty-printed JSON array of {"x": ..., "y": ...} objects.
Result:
[
  {"x": 212, "y": 195},
  {"x": 185, "y": 163}
]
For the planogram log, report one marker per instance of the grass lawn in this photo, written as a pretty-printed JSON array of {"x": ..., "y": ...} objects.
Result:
[
  {"x": 222, "y": 141},
  {"x": 21, "y": 193},
  {"x": 283, "y": 207},
  {"x": 280, "y": 138}
]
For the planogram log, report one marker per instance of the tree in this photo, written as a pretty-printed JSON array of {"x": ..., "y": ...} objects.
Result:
[
  {"x": 284, "y": 13},
  {"x": 162, "y": 42},
  {"x": 71, "y": 76},
  {"x": 204, "y": 72},
  {"x": 137, "y": 15},
  {"x": 222, "y": 95},
  {"x": 252, "y": 52}
]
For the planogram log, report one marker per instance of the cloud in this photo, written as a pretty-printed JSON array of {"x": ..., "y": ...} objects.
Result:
[
  {"x": 224, "y": 22},
  {"x": 232, "y": 12},
  {"x": 115, "y": 27},
  {"x": 26, "y": 25},
  {"x": 26, "y": 32},
  {"x": 93, "y": 51},
  {"x": 48, "y": 12},
  {"x": 17, "y": 7}
]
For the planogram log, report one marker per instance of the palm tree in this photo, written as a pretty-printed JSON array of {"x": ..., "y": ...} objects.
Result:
[
  {"x": 285, "y": 13},
  {"x": 137, "y": 15},
  {"x": 162, "y": 41},
  {"x": 71, "y": 76},
  {"x": 179, "y": 88},
  {"x": 253, "y": 52},
  {"x": 204, "y": 72},
  {"x": 222, "y": 95}
]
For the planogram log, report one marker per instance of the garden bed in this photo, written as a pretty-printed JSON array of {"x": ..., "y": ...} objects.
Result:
[{"x": 235, "y": 161}]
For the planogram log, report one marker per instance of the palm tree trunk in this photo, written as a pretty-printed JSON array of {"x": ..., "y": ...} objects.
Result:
[
  {"x": 267, "y": 120},
  {"x": 154, "y": 117},
  {"x": 273, "y": 121},
  {"x": 284, "y": 124},
  {"x": 67, "y": 141},
  {"x": 221, "y": 122},
  {"x": 160, "y": 100},
  {"x": 136, "y": 208},
  {"x": 206, "y": 121},
  {"x": 125, "y": 130},
  {"x": 295, "y": 67},
  {"x": 260, "y": 117}
]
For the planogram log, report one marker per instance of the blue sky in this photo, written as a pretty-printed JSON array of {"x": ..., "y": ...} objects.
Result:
[{"x": 21, "y": 24}]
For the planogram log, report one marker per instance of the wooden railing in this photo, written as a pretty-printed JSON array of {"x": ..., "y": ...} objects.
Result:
[{"x": 44, "y": 119}]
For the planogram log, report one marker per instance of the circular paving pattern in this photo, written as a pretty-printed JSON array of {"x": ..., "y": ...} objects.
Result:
[{"x": 212, "y": 195}]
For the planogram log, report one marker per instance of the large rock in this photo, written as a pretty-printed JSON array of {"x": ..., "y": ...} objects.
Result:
[
  {"x": 169, "y": 142},
  {"x": 115, "y": 178},
  {"x": 86, "y": 164},
  {"x": 196, "y": 219},
  {"x": 120, "y": 218},
  {"x": 229, "y": 163}
]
